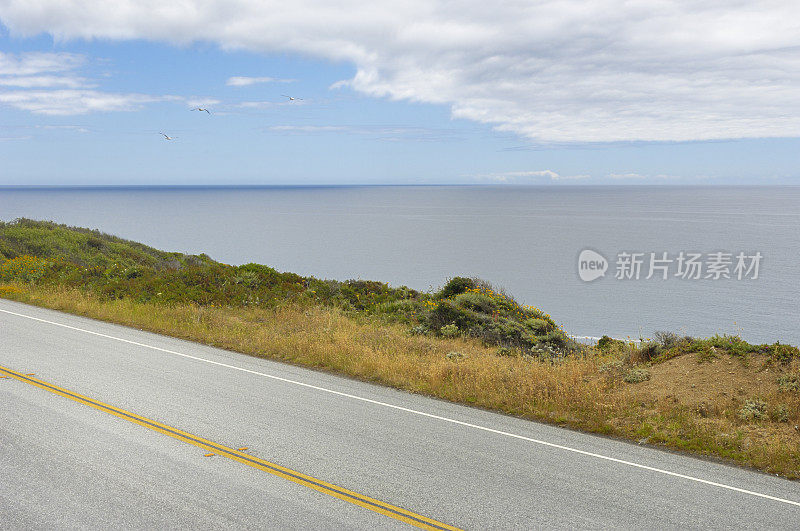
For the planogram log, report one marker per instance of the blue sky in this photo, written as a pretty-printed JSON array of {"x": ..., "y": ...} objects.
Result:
[{"x": 85, "y": 106}]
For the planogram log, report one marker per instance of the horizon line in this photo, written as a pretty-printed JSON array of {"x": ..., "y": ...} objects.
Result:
[{"x": 381, "y": 185}]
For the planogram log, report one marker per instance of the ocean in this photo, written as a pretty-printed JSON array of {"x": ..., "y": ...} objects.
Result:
[{"x": 526, "y": 240}]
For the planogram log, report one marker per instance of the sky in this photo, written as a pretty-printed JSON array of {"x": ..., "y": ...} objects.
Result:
[{"x": 566, "y": 93}]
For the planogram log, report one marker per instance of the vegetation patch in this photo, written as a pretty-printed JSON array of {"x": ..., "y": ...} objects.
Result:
[
  {"x": 637, "y": 375},
  {"x": 607, "y": 343},
  {"x": 789, "y": 383},
  {"x": 753, "y": 409}
]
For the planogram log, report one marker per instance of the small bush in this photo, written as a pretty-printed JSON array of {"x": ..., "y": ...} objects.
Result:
[
  {"x": 132, "y": 272},
  {"x": 613, "y": 367},
  {"x": 784, "y": 353},
  {"x": 753, "y": 409},
  {"x": 731, "y": 344},
  {"x": 780, "y": 414},
  {"x": 607, "y": 343},
  {"x": 557, "y": 340},
  {"x": 706, "y": 353},
  {"x": 506, "y": 351},
  {"x": 449, "y": 330},
  {"x": 789, "y": 383},
  {"x": 666, "y": 339},
  {"x": 637, "y": 375},
  {"x": 246, "y": 278},
  {"x": 455, "y": 355},
  {"x": 94, "y": 242},
  {"x": 538, "y": 326},
  {"x": 25, "y": 268},
  {"x": 455, "y": 286},
  {"x": 475, "y": 301},
  {"x": 648, "y": 351},
  {"x": 419, "y": 330},
  {"x": 446, "y": 312}
]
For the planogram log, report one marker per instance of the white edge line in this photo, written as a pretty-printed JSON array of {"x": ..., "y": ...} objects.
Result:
[{"x": 421, "y": 413}]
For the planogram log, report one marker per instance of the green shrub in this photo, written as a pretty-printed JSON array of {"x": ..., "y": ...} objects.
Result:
[
  {"x": 455, "y": 286},
  {"x": 706, "y": 352},
  {"x": 666, "y": 339},
  {"x": 132, "y": 272},
  {"x": 555, "y": 338},
  {"x": 612, "y": 367},
  {"x": 538, "y": 326},
  {"x": 419, "y": 330},
  {"x": 503, "y": 332},
  {"x": 784, "y": 353},
  {"x": 607, "y": 343},
  {"x": 6, "y": 251},
  {"x": 780, "y": 414},
  {"x": 249, "y": 279},
  {"x": 636, "y": 375},
  {"x": 733, "y": 345},
  {"x": 789, "y": 383},
  {"x": 649, "y": 351},
  {"x": 753, "y": 409},
  {"x": 506, "y": 351},
  {"x": 449, "y": 330},
  {"x": 94, "y": 242},
  {"x": 477, "y": 302},
  {"x": 446, "y": 312}
]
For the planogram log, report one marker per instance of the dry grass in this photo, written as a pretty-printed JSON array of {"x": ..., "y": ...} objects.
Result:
[{"x": 588, "y": 394}]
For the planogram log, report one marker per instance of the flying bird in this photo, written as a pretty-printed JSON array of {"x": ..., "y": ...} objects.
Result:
[
  {"x": 201, "y": 109},
  {"x": 291, "y": 98},
  {"x": 168, "y": 137}
]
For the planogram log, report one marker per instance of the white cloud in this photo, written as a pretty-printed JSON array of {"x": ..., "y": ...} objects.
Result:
[
  {"x": 577, "y": 177},
  {"x": 46, "y": 83},
  {"x": 258, "y": 104},
  {"x": 393, "y": 133},
  {"x": 263, "y": 104},
  {"x": 74, "y": 128},
  {"x": 43, "y": 82},
  {"x": 72, "y": 102},
  {"x": 201, "y": 102},
  {"x": 521, "y": 177},
  {"x": 632, "y": 176},
  {"x": 241, "y": 81},
  {"x": 557, "y": 71},
  {"x": 626, "y": 176},
  {"x": 35, "y": 63},
  {"x": 308, "y": 128}
]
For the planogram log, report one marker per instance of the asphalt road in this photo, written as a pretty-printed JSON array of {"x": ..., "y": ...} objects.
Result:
[{"x": 66, "y": 464}]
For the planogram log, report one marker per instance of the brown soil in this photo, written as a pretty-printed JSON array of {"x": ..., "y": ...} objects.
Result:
[
  {"x": 717, "y": 389},
  {"x": 724, "y": 380}
]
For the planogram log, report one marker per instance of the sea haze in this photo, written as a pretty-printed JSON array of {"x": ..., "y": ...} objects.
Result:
[{"x": 523, "y": 239}]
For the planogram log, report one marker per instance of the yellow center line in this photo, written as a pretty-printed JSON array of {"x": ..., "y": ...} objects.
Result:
[{"x": 398, "y": 513}]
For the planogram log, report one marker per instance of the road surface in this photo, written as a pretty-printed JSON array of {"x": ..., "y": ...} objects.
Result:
[{"x": 103, "y": 425}]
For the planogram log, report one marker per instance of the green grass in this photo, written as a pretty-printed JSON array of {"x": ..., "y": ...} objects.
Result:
[
  {"x": 85, "y": 247},
  {"x": 667, "y": 346}
]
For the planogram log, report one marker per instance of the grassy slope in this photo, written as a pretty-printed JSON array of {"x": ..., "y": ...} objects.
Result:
[
  {"x": 90, "y": 248},
  {"x": 718, "y": 397}
]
